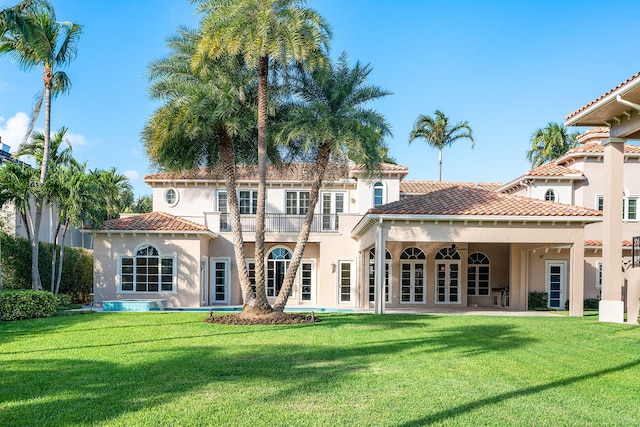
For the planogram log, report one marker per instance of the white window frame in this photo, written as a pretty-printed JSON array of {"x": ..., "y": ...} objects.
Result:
[
  {"x": 176, "y": 197},
  {"x": 412, "y": 262},
  {"x": 551, "y": 192},
  {"x": 329, "y": 213},
  {"x": 161, "y": 256},
  {"x": 226, "y": 261},
  {"x": 625, "y": 206},
  {"x": 223, "y": 210},
  {"x": 253, "y": 202},
  {"x": 379, "y": 185},
  {"x": 298, "y": 209},
  {"x": 598, "y": 274},
  {"x": 287, "y": 262},
  {"x": 452, "y": 257},
  {"x": 476, "y": 267},
  {"x": 599, "y": 205},
  {"x": 387, "y": 277},
  {"x": 204, "y": 280},
  {"x": 352, "y": 281},
  {"x": 563, "y": 290},
  {"x": 300, "y": 278}
]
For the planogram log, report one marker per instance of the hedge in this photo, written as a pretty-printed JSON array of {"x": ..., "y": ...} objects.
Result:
[
  {"x": 26, "y": 304},
  {"x": 77, "y": 267}
]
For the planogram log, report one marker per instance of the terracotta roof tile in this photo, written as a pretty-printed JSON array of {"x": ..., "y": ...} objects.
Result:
[
  {"x": 423, "y": 187},
  {"x": 295, "y": 171},
  {"x": 598, "y": 243},
  {"x": 596, "y": 147},
  {"x": 466, "y": 201},
  {"x": 154, "y": 221},
  {"x": 621, "y": 85}
]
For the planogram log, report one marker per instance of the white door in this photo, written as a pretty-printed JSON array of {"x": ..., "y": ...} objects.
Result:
[
  {"x": 447, "y": 282},
  {"x": 204, "y": 283},
  {"x": 219, "y": 289},
  {"x": 346, "y": 282},
  {"x": 556, "y": 281}
]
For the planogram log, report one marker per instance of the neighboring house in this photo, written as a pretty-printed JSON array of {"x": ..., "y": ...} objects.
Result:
[
  {"x": 12, "y": 223},
  {"x": 577, "y": 178},
  {"x": 438, "y": 244}
]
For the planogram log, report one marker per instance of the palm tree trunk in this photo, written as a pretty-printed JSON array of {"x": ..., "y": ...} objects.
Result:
[
  {"x": 35, "y": 241},
  {"x": 261, "y": 304},
  {"x": 53, "y": 256},
  {"x": 59, "y": 278},
  {"x": 48, "y": 84},
  {"x": 229, "y": 173},
  {"x": 303, "y": 237},
  {"x": 440, "y": 163}
]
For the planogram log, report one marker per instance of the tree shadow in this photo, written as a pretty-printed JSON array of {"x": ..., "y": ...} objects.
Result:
[
  {"x": 74, "y": 390},
  {"x": 440, "y": 417}
]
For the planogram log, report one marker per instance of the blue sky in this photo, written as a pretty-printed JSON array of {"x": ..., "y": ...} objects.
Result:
[{"x": 507, "y": 67}]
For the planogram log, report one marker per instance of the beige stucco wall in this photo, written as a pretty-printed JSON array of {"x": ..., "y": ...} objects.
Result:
[{"x": 186, "y": 249}]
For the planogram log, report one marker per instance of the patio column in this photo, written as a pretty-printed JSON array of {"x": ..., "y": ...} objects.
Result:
[
  {"x": 611, "y": 305},
  {"x": 576, "y": 279},
  {"x": 379, "y": 271}
]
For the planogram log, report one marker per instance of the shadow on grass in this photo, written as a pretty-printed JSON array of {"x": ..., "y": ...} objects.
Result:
[
  {"x": 440, "y": 417},
  {"x": 90, "y": 388}
]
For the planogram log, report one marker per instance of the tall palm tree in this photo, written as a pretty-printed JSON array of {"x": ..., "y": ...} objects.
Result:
[
  {"x": 60, "y": 157},
  {"x": 550, "y": 142},
  {"x": 208, "y": 119},
  {"x": 331, "y": 119},
  {"x": 31, "y": 35},
  {"x": 266, "y": 33},
  {"x": 438, "y": 133}
]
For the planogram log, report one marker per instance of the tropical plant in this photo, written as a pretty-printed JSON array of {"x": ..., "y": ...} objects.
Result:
[
  {"x": 267, "y": 34},
  {"x": 53, "y": 188},
  {"x": 32, "y": 36},
  {"x": 331, "y": 119},
  {"x": 438, "y": 133},
  {"x": 550, "y": 142},
  {"x": 207, "y": 120},
  {"x": 115, "y": 190},
  {"x": 140, "y": 204}
]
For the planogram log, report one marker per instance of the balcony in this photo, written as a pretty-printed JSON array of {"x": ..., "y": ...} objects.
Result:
[{"x": 283, "y": 223}]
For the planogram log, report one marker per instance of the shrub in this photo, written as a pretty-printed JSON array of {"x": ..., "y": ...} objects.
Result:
[
  {"x": 26, "y": 304},
  {"x": 77, "y": 267},
  {"x": 538, "y": 300},
  {"x": 591, "y": 304},
  {"x": 63, "y": 299}
]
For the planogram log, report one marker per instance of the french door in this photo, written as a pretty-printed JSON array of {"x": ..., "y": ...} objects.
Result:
[
  {"x": 556, "y": 282},
  {"x": 447, "y": 282}
]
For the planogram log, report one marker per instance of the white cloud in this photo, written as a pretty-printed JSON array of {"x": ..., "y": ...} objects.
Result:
[
  {"x": 76, "y": 140},
  {"x": 132, "y": 174},
  {"x": 13, "y": 130}
]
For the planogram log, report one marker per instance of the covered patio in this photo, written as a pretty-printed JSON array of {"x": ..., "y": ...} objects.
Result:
[{"x": 456, "y": 248}]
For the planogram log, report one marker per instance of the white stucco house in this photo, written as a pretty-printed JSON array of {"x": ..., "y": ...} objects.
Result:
[{"x": 388, "y": 242}]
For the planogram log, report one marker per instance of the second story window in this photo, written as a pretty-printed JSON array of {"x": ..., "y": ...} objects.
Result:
[
  {"x": 629, "y": 206},
  {"x": 600, "y": 203},
  {"x": 297, "y": 202},
  {"x": 248, "y": 202},
  {"x": 378, "y": 194},
  {"x": 550, "y": 195}
]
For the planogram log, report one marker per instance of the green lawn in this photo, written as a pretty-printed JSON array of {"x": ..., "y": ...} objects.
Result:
[{"x": 349, "y": 370}]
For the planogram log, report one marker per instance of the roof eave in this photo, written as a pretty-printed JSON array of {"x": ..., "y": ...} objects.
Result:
[{"x": 610, "y": 98}]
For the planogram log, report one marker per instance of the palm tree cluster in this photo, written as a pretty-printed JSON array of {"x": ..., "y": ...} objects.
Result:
[
  {"x": 31, "y": 35},
  {"x": 77, "y": 197},
  {"x": 254, "y": 84}
]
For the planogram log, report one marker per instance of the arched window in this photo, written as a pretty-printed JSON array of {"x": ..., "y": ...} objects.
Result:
[
  {"x": 448, "y": 253},
  {"x": 447, "y": 279},
  {"x": 378, "y": 194},
  {"x": 372, "y": 275},
  {"x": 171, "y": 197},
  {"x": 550, "y": 195},
  {"x": 147, "y": 271},
  {"x": 412, "y": 269},
  {"x": 478, "y": 275},
  {"x": 277, "y": 263}
]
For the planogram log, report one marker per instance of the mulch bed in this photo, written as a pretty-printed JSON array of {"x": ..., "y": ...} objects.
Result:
[{"x": 275, "y": 318}]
